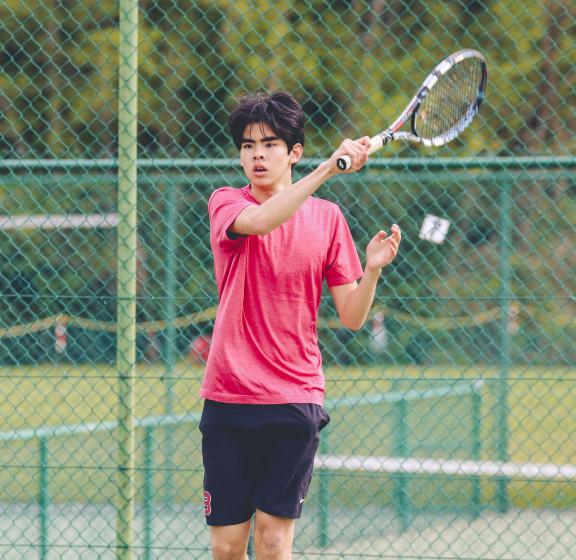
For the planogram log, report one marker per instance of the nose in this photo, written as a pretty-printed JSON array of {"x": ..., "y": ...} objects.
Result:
[{"x": 258, "y": 156}]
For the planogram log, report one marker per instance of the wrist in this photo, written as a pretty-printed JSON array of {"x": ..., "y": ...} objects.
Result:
[
  {"x": 326, "y": 169},
  {"x": 372, "y": 272}
]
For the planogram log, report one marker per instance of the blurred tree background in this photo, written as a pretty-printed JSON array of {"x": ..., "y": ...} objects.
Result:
[{"x": 353, "y": 65}]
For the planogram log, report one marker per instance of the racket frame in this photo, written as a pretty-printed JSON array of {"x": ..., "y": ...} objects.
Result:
[{"x": 392, "y": 132}]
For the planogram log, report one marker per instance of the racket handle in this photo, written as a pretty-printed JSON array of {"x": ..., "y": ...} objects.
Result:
[{"x": 344, "y": 162}]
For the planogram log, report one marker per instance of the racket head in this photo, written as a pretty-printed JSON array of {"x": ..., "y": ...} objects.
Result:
[
  {"x": 446, "y": 103},
  {"x": 449, "y": 98}
]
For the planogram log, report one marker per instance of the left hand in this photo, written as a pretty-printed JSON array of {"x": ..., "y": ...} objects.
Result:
[{"x": 382, "y": 249}]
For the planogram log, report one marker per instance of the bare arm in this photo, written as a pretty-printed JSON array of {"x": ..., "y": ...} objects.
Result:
[
  {"x": 354, "y": 300},
  {"x": 263, "y": 218}
]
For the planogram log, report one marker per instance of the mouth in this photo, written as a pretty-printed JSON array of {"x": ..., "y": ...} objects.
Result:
[{"x": 259, "y": 169}]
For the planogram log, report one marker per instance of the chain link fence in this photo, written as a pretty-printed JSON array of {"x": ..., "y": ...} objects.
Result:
[{"x": 452, "y": 433}]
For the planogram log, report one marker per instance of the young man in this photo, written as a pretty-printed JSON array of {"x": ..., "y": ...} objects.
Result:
[{"x": 274, "y": 245}]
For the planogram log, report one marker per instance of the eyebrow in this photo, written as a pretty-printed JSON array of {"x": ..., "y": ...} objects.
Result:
[{"x": 266, "y": 139}]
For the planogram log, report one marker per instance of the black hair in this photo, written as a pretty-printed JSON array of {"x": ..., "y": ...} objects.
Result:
[{"x": 280, "y": 111}]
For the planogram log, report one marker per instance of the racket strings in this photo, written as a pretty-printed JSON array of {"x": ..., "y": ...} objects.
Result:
[{"x": 451, "y": 103}]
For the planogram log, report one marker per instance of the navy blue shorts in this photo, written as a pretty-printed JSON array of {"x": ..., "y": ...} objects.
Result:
[{"x": 258, "y": 457}]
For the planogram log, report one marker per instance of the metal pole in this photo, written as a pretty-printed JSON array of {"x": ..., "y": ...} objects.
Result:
[
  {"x": 323, "y": 493},
  {"x": 502, "y": 411},
  {"x": 126, "y": 255},
  {"x": 170, "y": 332},
  {"x": 401, "y": 489},
  {"x": 148, "y": 491},
  {"x": 476, "y": 446},
  {"x": 492, "y": 163},
  {"x": 170, "y": 233},
  {"x": 44, "y": 498}
]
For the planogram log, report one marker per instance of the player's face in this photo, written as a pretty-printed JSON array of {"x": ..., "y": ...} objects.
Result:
[{"x": 265, "y": 158}]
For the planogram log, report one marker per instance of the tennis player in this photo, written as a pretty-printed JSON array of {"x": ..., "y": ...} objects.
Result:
[{"x": 274, "y": 244}]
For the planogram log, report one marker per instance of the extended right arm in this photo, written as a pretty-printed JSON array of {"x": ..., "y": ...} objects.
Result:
[{"x": 263, "y": 218}]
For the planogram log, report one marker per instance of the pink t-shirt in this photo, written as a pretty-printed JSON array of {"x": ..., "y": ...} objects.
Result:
[{"x": 265, "y": 345}]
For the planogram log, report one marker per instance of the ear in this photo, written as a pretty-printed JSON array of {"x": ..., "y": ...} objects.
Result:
[{"x": 296, "y": 153}]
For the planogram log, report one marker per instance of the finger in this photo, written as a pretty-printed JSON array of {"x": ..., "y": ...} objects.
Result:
[
  {"x": 392, "y": 244},
  {"x": 353, "y": 154},
  {"x": 365, "y": 141},
  {"x": 357, "y": 150}
]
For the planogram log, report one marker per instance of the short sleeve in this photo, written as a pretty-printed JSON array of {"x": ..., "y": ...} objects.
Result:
[
  {"x": 223, "y": 208},
  {"x": 343, "y": 263}
]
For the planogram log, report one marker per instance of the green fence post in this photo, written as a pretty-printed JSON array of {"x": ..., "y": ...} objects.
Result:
[
  {"x": 476, "y": 444},
  {"x": 502, "y": 411},
  {"x": 43, "y": 498},
  {"x": 400, "y": 498},
  {"x": 170, "y": 332},
  {"x": 323, "y": 494},
  {"x": 127, "y": 247},
  {"x": 250, "y": 548},
  {"x": 148, "y": 490}
]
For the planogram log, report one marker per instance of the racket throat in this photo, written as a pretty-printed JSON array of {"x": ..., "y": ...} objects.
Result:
[
  {"x": 386, "y": 136},
  {"x": 380, "y": 140}
]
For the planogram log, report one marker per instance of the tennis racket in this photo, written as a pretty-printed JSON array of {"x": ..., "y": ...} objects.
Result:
[{"x": 442, "y": 108}]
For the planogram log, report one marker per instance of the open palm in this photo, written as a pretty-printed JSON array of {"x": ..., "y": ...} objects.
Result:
[{"x": 382, "y": 249}]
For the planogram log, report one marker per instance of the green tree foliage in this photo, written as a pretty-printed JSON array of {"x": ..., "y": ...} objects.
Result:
[{"x": 353, "y": 65}]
